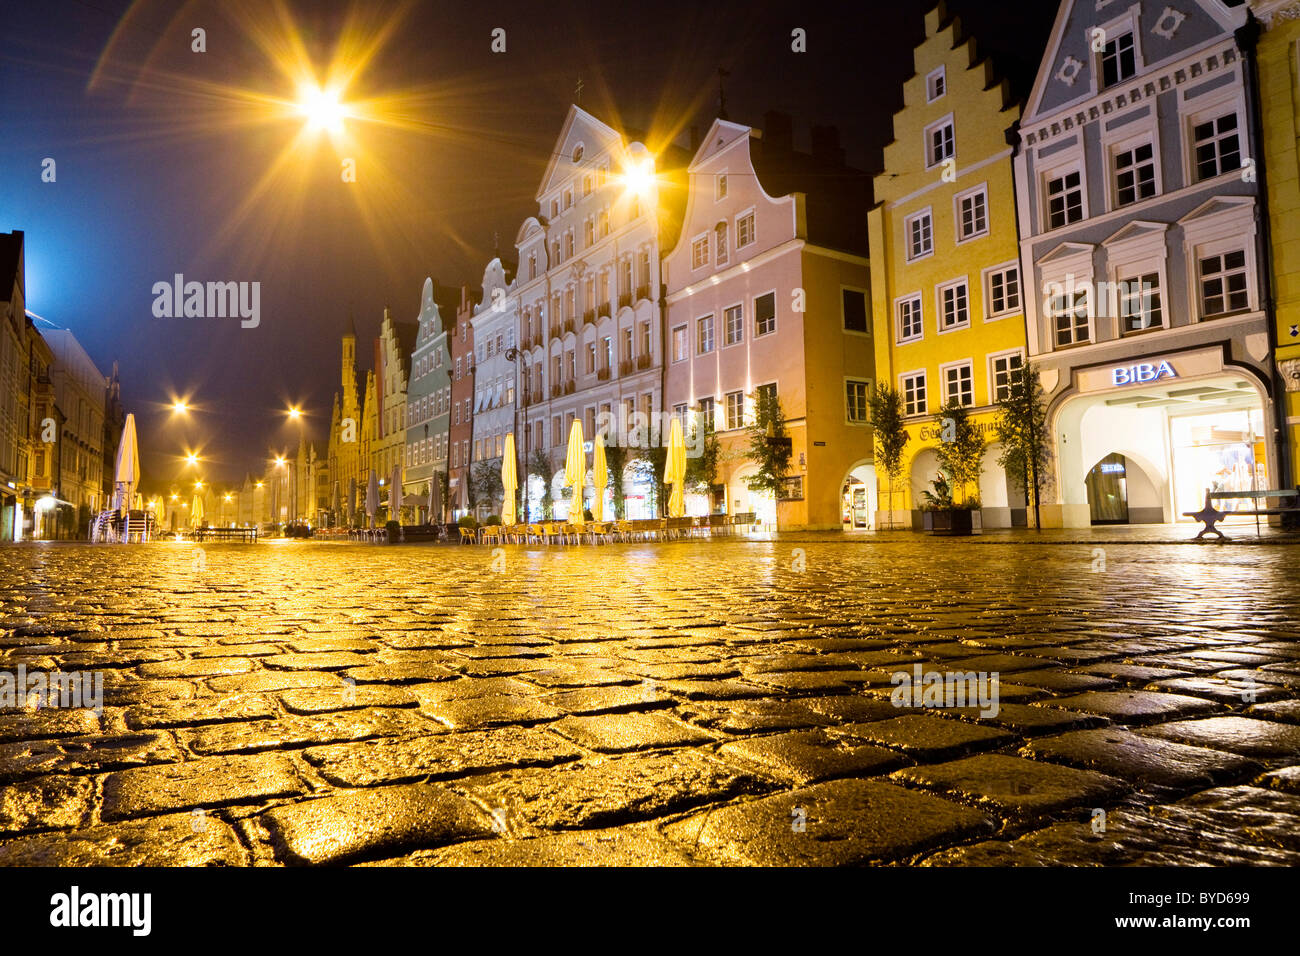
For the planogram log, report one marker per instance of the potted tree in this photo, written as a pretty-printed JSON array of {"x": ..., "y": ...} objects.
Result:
[
  {"x": 950, "y": 508},
  {"x": 941, "y": 515}
]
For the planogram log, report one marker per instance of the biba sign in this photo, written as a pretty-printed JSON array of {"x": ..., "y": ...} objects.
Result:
[{"x": 1141, "y": 374}]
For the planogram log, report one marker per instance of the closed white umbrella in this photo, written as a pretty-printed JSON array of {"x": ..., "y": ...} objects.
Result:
[
  {"x": 435, "y": 500},
  {"x": 338, "y": 503},
  {"x": 575, "y": 471},
  {"x": 372, "y": 497},
  {"x": 352, "y": 500},
  {"x": 509, "y": 482},
  {"x": 127, "y": 473},
  {"x": 196, "y": 512},
  {"x": 395, "y": 495}
]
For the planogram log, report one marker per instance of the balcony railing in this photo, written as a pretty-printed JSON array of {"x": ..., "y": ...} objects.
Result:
[
  {"x": 589, "y": 317},
  {"x": 625, "y": 367},
  {"x": 568, "y": 326},
  {"x": 570, "y": 386},
  {"x": 602, "y": 310},
  {"x": 557, "y": 390},
  {"x": 555, "y": 331},
  {"x": 602, "y": 374},
  {"x": 624, "y": 299},
  {"x": 643, "y": 361},
  {"x": 643, "y": 292}
]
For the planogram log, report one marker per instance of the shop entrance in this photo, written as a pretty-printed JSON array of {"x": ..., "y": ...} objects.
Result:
[
  {"x": 858, "y": 499},
  {"x": 1108, "y": 491}
]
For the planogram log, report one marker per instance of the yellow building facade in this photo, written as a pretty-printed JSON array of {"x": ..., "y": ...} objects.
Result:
[
  {"x": 947, "y": 293},
  {"x": 1279, "y": 97}
]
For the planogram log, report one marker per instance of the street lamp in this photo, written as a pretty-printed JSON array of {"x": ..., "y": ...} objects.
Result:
[{"x": 514, "y": 355}]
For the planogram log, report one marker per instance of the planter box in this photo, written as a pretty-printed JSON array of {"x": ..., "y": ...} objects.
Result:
[{"x": 952, "y": 522}]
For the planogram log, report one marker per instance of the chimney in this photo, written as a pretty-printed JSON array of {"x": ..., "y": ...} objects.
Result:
[
  {"x": 826, "y": 145},
  {"x": 778, "y": 132},
  {"x": 695, "y": 139}
]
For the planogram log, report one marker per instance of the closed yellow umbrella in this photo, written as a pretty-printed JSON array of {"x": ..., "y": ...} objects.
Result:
[
  {"x": 196, "y": 512},
  {"x": 575, "y": 471},
  {"x": 509, "y": 482},
  {"x": 675, "y": 470},
  {"x": 599, "y": 478}
]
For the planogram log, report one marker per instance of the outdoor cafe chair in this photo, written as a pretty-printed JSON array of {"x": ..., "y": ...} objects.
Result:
[{"x": 466, "y": 535}]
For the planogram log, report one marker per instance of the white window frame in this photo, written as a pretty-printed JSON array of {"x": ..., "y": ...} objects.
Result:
[
  {"x": 993, "y": 358},
  {"x": 686, "y": 338},
  {"x": 1062, "y": 169},
  {"x": 932, "y": 128},
  {"x": 940, "y": 74},
  {"x": 1140, "y": 255},
  {"x": 754, "y": 305},
  {"x": 866, "y": 310},
  {"x": 1201, "y": 109},
  {"x": 726, "y": 410},
  {"x": 945, "y": 368},
  {"x": 981, "y": 190},
  {"x": 919, "y": 300},
  {"x": 751, "y": 214},
  {"x": 939, "y": 290},
  {"x": 1228, "y": 230},
  {"x": 987, "y": 282},
  {"x": 903, "y": 379},
  {"x": 713, "y": 334},
  {"x": 720, "y": 185},
  {"x": 1124, "y": 23},
  {"x": 848, "y": 419},
  {"x": 705, "y": 260},
  {"x": 725, "y": 328},
  {"x": 926, "y": 213}
]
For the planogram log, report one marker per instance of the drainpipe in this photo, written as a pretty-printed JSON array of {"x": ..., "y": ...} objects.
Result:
[{"x": 1247, "y": 38}]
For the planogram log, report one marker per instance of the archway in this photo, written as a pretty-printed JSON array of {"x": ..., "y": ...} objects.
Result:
[
  {"x": 858, "y": 498},
  {"x": 1122, "y": 490},
  {"x": 743, "y": 500}
]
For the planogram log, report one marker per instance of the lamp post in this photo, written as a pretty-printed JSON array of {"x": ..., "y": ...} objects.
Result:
[{"x": 514, "y": 355}]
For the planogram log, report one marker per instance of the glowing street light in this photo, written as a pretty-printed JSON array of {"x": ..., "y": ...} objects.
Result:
[
  {"x": 323, "y": 108},
  {"x": 295, "y": 412},
  {"x": 191, "y": 459},
  {"x": 279, "y": 461},
  {"x": 638, "y": 177},
  {"x": 180, "y": 407}
]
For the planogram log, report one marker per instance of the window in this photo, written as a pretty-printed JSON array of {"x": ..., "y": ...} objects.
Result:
[
  {"x": 954, "y": 306},
  {"x": 939, "y": 143},
  {"x": 1118, "y": 60},
  {"x": 586, "y": 185},
  {"x": 733, "y": 321},
  {"x": 910, "y": 327},
  {"x": 855, "y": 401},
  {"x": 704, "y": 336},
  {"x": 720, "y": 187},
  {"x": 646, "y": 343},
  {"x": 1139, "y": 304},
  {"x": 1223, "y": 284},
  {"x": 1006, "y": 371},
  {"x": 588, "y": 232},
  {"x": 568, "y": 198},
  {"x": 972, "y": 214},
  {"x": 735, "y": 409},
  {"x": 935, "y": 85},
  {"x": 679, "y": 343},
  {"x": 720, "y": 243},
  {"x": 920, "y": 235},
  {"x": 855, "y": 310},
  {"x": 958, "y": 385},
  {"x": 1135, "y": 174},
  {"x": 764, "y": 313},
  {"x": 744, "y": 230},
  {"x": 1217, "y": 146},
  {"x": 914, "y": 402},
  {"x": 1004, "y": 291},
  {"x": 1064, "y": 199},
  {"x": 591, "y": 358},
  {"x": 1069, "y": 312},
  {"x": 765, "y": 393},
  {"x": 708, "y": 414}
]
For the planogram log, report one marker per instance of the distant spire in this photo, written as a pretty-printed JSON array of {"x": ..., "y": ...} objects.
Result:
[
  {"x": 577, "y": 93},
  {"x": 722, "y": 94},
  {"x": 352, "y": 325},
  {"x": 496, "y": 238}
]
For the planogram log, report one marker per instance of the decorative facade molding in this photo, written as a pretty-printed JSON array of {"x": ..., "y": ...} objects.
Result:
[{"x": 1143, "y": 88}]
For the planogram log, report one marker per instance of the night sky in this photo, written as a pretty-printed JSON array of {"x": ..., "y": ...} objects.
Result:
[{"x": 161, "y": 152}]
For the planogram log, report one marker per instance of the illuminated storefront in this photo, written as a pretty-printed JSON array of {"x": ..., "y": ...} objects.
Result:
[{"x": 1142, "y": 442}]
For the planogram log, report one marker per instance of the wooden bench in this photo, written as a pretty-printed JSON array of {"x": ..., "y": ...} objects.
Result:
[{"x": 1209, "y": 516}]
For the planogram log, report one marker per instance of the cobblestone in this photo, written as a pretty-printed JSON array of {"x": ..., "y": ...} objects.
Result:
[{"x": 664, "y": 704}]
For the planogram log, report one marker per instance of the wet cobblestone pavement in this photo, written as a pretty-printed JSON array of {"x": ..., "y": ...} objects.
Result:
[{"x": 681, "y": 703}]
